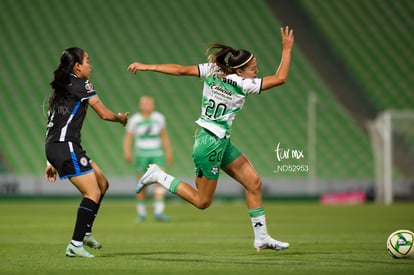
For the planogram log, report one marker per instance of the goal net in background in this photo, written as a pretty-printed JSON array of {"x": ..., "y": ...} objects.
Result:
[{"x": 392, "y": 139}]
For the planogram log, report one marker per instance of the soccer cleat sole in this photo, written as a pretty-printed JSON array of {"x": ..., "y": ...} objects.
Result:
[
  {"x": 279, "y": 246},
  {"x": 72, "y": 254},
  {"x": 72, "y": 251},
  {"x": 260, "y": 249}
]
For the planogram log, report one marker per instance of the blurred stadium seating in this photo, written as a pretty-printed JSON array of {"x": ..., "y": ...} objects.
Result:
[{"x": 371, "y": 38}]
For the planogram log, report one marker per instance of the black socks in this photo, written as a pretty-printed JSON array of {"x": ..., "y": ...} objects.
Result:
[{"x": 86, "y": 215}]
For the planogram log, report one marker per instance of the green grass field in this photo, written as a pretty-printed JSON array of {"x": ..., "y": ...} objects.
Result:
[{"x": 324, "y": 239}]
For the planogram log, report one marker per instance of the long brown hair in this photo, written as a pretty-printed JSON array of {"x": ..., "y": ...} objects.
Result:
[
  {"x": 61, "y": 76},
  {"x": 228, "y": 58}
]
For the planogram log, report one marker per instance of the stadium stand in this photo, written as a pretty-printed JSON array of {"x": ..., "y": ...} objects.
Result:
[
  {"x": 115, "y": 33},
  {"x": 373, "y": 38}
]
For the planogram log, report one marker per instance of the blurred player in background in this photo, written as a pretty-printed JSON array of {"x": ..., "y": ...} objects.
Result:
[
  {"x": 229, "y": 77},
  {"x": 72, "y": 93},
  {"x": 146, "y": 141}
]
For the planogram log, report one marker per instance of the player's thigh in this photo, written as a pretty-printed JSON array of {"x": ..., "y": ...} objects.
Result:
[
  {"x": 243, "y": 171},
  {"x": 87, "y": 184},
  {"x": 100, "y": 177}
]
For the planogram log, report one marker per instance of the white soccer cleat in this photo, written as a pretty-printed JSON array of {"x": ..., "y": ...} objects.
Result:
[
  {"x": 90, "y": 241},
  {"x": 270, "y": 243},
  {"x": 150, "y": 177}
]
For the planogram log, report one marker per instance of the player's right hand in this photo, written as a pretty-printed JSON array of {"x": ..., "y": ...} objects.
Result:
[
  {"x": 124, "y": 118},
  {"x": 50, "y": 173}
]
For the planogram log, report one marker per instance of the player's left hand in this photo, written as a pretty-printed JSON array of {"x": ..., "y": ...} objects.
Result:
[
  {"x": 136, "y": 66},
  {"x": 288, "y": 37}
]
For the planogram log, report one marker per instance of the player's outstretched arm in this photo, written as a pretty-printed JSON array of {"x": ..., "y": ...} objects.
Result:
[
  {"x": 282, "y": 72},
  {"x": 171, "y": 69},
  {"x": 106, "y": 114}
]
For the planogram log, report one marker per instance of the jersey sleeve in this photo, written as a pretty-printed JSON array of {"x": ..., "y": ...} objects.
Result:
[
  {"x": 130, "y": 127},
  {"x": 83, "y": 89},
  {"x": 206, "y": 69},
  {"x": 252, "y": 85},
  {"x": 163, "y": 122}
]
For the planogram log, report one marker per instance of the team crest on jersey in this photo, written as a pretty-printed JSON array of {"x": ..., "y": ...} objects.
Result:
[
  {"x": 83, "y": 161},
  {"x": 88, "y": 86},
  {"x": 214, "y": 170}
]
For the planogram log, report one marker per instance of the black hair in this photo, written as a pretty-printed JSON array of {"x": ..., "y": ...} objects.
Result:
[
  {"x": 61, "y": 76},
  {"x": 228, "y": 58}
]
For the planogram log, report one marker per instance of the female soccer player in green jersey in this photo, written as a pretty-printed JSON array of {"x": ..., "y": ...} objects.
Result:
[
  {"x": 146, "y": 141},
  {"x": 229, "y": 76}
]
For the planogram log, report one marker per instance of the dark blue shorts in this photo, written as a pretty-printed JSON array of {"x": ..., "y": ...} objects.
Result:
[{"x": 69, "y": 159}]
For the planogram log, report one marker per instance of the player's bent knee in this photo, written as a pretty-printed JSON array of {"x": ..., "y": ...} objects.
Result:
[
  {"x": 203, "y": 205},
  {"x": 256, "y": 185}
]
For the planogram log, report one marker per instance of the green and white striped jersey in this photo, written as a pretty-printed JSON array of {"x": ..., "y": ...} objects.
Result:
[
  {"x": 223, "y": 98},
  {"x": 146, "y": 131}
]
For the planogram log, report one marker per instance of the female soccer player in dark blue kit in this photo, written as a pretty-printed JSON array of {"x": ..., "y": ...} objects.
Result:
[{"x": 72, "y": 92}]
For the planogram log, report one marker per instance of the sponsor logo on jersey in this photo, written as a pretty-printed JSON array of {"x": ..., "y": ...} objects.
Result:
[{"x": 88, "y": 86}]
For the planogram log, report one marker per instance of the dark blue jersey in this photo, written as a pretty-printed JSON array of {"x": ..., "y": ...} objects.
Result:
[{"x": 66, "y": 119}]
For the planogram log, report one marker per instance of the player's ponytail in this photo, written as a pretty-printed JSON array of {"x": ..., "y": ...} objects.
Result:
[
  {"x": 239, "y": 59},
  {"x": 227, "y": 58},
  {"x": 61, "y": 76}
]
